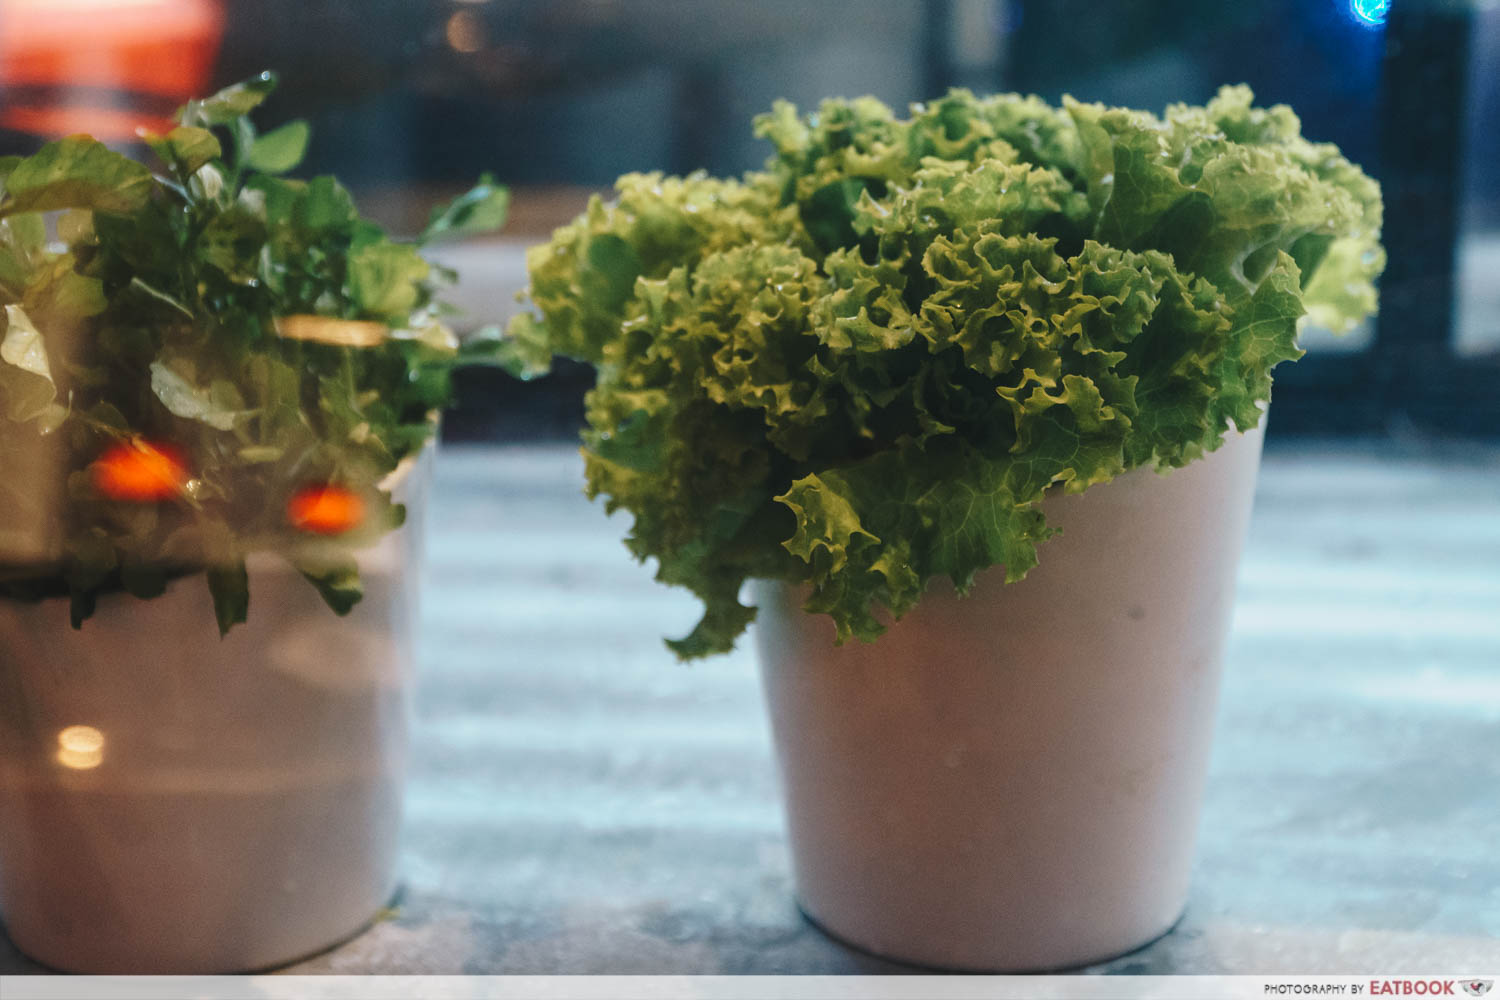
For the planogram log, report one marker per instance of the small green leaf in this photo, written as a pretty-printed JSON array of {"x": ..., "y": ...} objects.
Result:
[
  {"x": 336, "y": 580},
  {"x": 827, "y": 525},
  {"x": 81, "y": 604},
  {"x": 828, "y": 213},
  {"x": 59, "y": 294},
  {"x": 18, "y": 254},
  {"x": 279, "y": 150},
  {"x": 76, "y": 172},
  {"x": 321, "y": 206},
  {"x": 523, "y": 350},
  {"x": 230, "y": 586},
  {"x": 29, "y": 232},
  {"x": 186, "y": 147},
  {"x": 194, "y": 147},
  {"x": 231, "y": 242},
  {"x": 482, "y": 209},
  {"x": 386, "y": 278},
  {"x": 191, "y": 402},
  {"x": 230, "y": 103},
  {"x": 25, "y": 375},
  {"x": 1340, "y": 291}
]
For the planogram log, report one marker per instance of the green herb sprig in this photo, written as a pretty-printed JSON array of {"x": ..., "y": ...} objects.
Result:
[{"x": 164, "y": 312}]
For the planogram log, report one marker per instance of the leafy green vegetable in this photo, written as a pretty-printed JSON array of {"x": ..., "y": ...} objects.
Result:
[
  {"x": 480, "y": 210},
  {"x": 252, "y": 324},
  {"x": 281, "y": 150},
  {"x": 865, "y": 365}
]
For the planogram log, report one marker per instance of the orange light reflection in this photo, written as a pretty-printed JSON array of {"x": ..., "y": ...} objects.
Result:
[
  {"x": 325, "y": 510},
  {"x": 105, "y": 67},
  {"x": 138, "y": 471}
]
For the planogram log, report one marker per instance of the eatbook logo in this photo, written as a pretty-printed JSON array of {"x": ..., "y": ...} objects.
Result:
[{"x": 1477, "y": 987}]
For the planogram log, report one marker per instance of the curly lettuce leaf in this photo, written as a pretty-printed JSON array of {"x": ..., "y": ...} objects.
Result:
[{"x": 866, "y": 365}]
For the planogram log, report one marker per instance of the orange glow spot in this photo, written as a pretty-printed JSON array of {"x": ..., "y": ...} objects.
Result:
[
  {"x": 138, "y": 471},
  {"x": 325, "y": 510},
  {"x": 164, "y": 48},
  {"x": 101, "y": 123},
  {"x": 465, "y": 32},
  {"x": 80, "y": 748}
]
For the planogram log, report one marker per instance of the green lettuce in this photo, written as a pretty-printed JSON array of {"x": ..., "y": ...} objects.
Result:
[
  {"x": 155, "y": 317},
  {"x": 865, "y": 365}
]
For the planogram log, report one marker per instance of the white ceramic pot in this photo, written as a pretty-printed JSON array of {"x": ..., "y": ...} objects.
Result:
[
  {"x": 173, "y": 803},
  {"x": 1012, "y": 780}
]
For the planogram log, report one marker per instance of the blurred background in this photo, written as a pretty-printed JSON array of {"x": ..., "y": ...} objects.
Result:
[{"x": 411, "y": 99}]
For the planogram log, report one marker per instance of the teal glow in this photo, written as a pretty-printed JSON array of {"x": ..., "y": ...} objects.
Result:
[{"x": 1370, "y": 13}]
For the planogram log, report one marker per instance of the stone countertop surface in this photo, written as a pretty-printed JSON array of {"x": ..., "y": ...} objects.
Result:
[{"x": 581, "y": 803}]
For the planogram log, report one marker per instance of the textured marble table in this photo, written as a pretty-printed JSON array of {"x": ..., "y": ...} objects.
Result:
[{"x": 582, "y": 804}]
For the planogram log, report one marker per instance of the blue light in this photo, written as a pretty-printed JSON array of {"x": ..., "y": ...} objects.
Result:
[{"x": 1370, "y": 13}]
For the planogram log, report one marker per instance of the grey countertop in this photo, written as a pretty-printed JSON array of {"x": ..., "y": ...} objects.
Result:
[{"x": 582, "y": 804}]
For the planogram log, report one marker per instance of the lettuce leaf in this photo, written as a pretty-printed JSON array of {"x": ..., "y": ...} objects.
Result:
[{"x": 865, "y": 365}]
